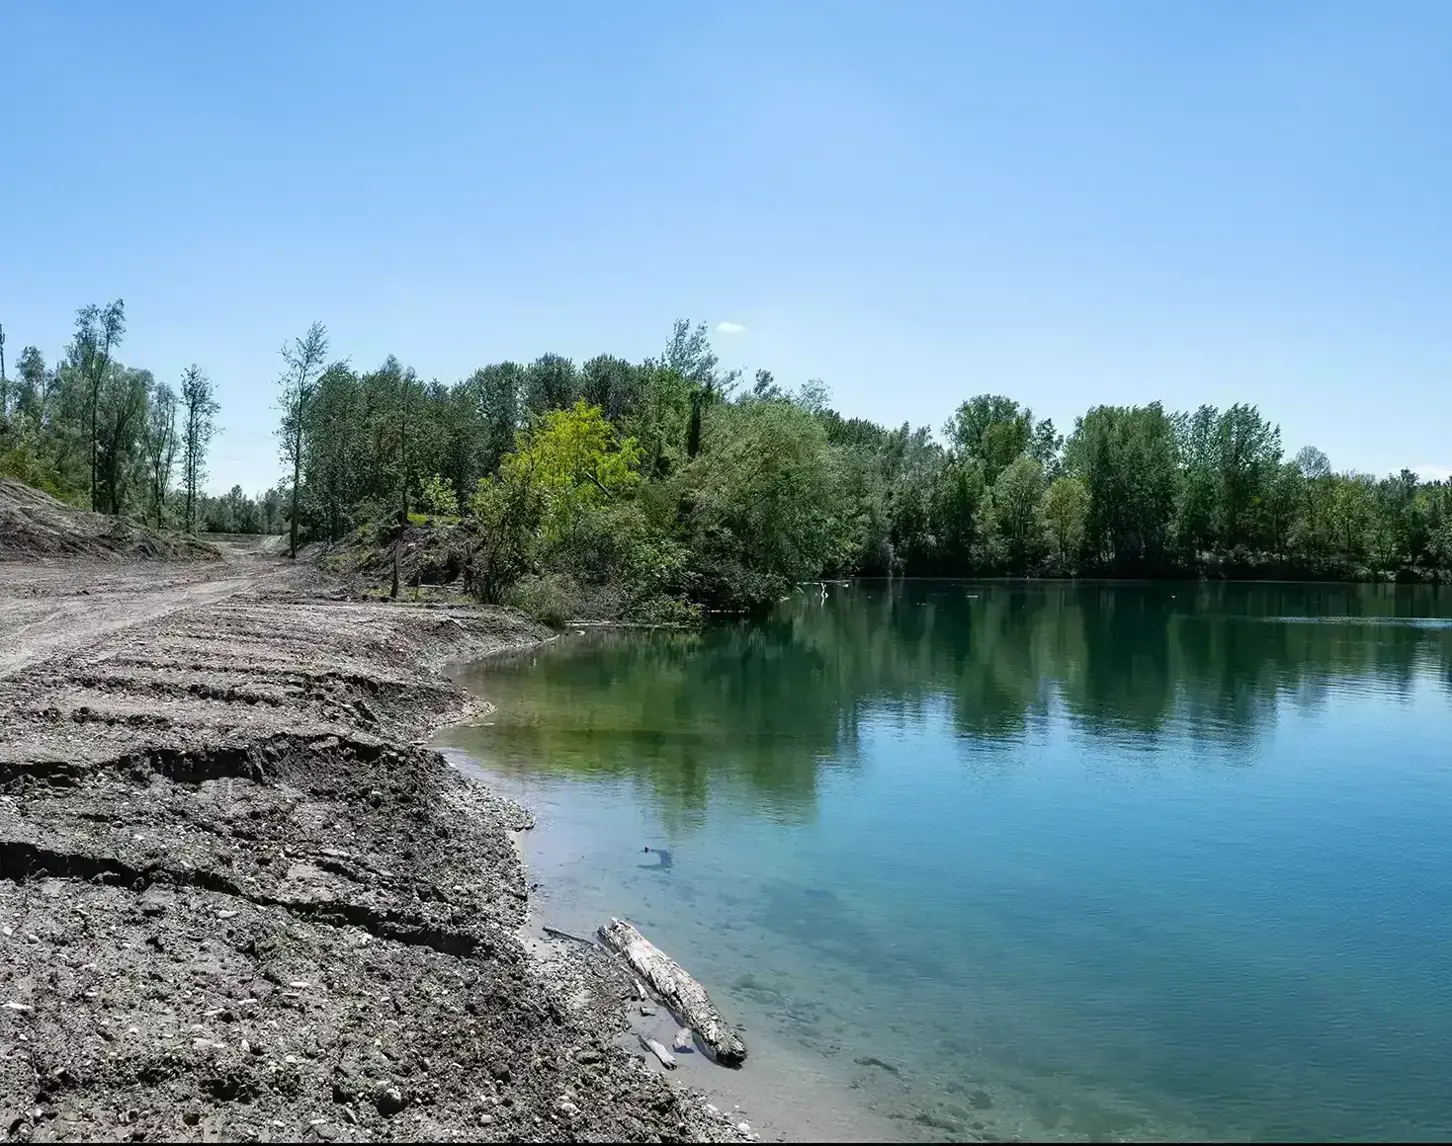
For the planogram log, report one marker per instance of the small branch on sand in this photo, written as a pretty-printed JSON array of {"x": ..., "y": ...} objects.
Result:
[
  {"x": 655, "y": 1048},
  {"x": 686, "y": 997},
  {"x": 556, "y": 933}
]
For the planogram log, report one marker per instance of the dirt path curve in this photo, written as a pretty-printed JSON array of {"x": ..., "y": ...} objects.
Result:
[{"x": 38, "y": 628}]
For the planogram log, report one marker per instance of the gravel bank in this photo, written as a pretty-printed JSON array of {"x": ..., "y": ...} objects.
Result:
[{"x": 238, "y": 898}]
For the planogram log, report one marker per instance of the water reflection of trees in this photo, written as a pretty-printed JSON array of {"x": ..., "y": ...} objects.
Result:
[{"x": 759, "y": 711}]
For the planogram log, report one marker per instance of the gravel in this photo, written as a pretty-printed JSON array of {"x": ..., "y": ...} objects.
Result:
[{"x": 238, "y": 897}]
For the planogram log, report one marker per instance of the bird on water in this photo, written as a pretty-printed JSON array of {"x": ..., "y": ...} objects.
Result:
[{"x": 665, "y": 856}]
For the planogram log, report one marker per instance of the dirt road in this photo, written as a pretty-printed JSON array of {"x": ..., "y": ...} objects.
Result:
[{"x": 239, "y": 901}]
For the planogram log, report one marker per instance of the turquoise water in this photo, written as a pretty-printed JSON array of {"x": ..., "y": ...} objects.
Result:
[{"x": 1076, "y": 862}]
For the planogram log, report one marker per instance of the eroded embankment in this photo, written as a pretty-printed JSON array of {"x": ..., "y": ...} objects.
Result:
[{"x": 238, "y": 900}]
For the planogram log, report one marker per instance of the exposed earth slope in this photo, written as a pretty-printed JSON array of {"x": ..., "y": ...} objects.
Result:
[{"x": 238, "y": 900}]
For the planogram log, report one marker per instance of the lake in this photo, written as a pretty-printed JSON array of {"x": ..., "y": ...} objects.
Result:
[{"x": 1069, "y": 861}]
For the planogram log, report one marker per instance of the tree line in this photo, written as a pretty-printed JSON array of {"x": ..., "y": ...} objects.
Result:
[
  {"x": 679, "y": 485},
  {"x": 673, "y": 479},
  {"x": 115, "y": 439}
]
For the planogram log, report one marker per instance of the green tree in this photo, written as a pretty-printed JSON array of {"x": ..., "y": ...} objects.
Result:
[
  {"x": 1016, "y": 496},
  {"x": 1197, "y": 500},
  {"x": 98, "y": 332},
  {"x": 119, "y": 428},
  {"x": 1283, "y": 500},
  {"x": 611, "y": 383},
  {"x": 30, "y": 385},
  {"x": 1065, "y": 515},
  {"x": 1317, "y": 484},
  {"x": 1351, "y": 502},
  {"x": 1046, "y": 446},
  {"x": 551, "y": 382},
  {"x": 1248, "y": 451},
  {"x": 1127, "y": 458},
  {"x": 500, "y": 395},
  {"x": 575, "y": 462},
  {"x": 760, "y": 498},
  {"x": 991, "y": 430},
  {"x": 160, "y": 439},
  {"x": 199, "y": 410},
  {"x": 336, "y": 459},
  {"x": 958, "y": 493},
  {"x": 303, "y": 360}
]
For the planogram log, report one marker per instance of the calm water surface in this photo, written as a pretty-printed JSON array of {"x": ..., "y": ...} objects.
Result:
[{"x": 1093, "y": 861}]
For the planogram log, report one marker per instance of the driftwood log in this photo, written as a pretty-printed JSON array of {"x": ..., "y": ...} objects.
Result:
[{"x": 682, "y": 994}]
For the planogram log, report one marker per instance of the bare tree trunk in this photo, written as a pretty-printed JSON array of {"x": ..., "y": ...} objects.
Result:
[
  {"x": 296, "y": 479},
  {"x": 397, "y": 544},
  {"x": 95, "y": 400}
]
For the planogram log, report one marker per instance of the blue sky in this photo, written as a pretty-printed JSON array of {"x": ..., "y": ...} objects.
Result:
[{"x": 1069, "y": 203}]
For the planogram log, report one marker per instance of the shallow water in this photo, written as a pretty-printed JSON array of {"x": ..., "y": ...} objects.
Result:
[{"x": 1092, "y": 862}]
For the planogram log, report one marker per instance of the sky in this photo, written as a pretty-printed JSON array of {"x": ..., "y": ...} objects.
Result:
[{"x": 1068, "y": 203}]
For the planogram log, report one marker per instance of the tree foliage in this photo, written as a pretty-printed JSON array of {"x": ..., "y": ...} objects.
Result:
[
  {"x": 199, "y": 409},
  {"x": 670, "y": 485}
]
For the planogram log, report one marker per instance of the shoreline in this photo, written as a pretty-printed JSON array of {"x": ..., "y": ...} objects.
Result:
[
  {"x": 812, "y": 1106},
  {"x": 239, "y": 898},
  {"x": 782, "y": 1094}
]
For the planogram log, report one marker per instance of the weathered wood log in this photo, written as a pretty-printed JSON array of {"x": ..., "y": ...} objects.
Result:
[
  {"x": 686, "y": 997},
  {"x": 655, "y": 1048}
]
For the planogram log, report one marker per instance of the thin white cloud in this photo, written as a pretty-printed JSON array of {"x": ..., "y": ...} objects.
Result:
[
  {"x": 730, "y": 328},
  {"x": 1434, "y": 473}
]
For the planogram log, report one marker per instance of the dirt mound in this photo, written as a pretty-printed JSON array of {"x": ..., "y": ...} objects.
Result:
[
  {"x": 431, "y": 554},
  {"x": 34, "y": 524}
]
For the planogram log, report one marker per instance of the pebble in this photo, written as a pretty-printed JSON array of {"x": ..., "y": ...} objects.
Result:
[
  {"x": 646, "y": 1009},
  {"x": 390, "y": 1101},
  {"x": 227, "y": 914},
  {"x": 744, "y": 1127},
  {"x": 300, "y": 985},
  {"x": 350, "y": 1117},
  {"x": 683, "y": 1041},
  {"x": 14, "y": 1006}
]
